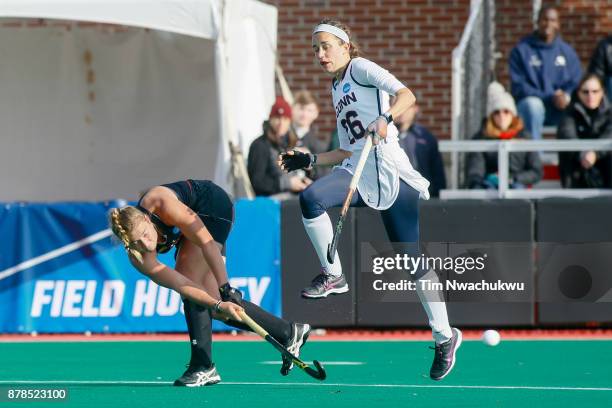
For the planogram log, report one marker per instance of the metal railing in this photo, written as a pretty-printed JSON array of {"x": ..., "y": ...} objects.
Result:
[
  {"x": 472, "y": 66},
  {"x": 504, "y": 148}
]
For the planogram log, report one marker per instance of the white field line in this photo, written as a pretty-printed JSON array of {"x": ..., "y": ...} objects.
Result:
[
  {"x": 325, "y": 363},
  {"x": 55, "y": 253},
  {"x": 313, "y": 384}
]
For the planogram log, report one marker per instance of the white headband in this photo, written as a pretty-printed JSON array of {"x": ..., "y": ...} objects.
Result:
[{"x": 327, "y": 28}]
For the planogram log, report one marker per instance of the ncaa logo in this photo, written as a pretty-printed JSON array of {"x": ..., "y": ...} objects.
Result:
[
  {"x": 560, "y": 61},
  {"x": 534, "y": 61},
  {"x": 346, "y": 88}
]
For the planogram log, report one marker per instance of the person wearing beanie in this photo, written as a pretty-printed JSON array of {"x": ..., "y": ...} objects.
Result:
[
  {"x": 502, "y": 123},
  {"x": 266, "y": 176},
  {"x": 495, "y": 88},
  {"x": 499, "y": 101}
]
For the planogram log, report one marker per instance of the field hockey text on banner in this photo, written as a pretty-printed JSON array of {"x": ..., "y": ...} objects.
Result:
[{"x": 63, "y": 273}]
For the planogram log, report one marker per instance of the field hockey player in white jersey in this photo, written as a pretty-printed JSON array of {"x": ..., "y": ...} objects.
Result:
[{"x": 388, "y": 183}]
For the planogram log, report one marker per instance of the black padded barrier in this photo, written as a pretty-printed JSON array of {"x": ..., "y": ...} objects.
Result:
[
  {"x": 386, "y": 310},
  {"x": 453, "y": 228},
  {"x": 505, "y": 229},
  {"x": 574, "y": 267},
  {"x": 300, "y": 264}
]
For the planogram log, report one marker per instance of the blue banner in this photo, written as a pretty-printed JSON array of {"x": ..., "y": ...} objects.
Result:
[{"x": 60, "y": 272}]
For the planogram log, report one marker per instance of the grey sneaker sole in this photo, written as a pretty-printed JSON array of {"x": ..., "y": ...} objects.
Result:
[
  {"x": 459, "y": 340},
  {"x": 333, "y": 291}
]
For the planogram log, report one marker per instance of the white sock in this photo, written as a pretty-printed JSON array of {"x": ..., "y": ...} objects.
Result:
[
  {"x": 435, "y": 307},
  {"x": 321, "y": 232}
]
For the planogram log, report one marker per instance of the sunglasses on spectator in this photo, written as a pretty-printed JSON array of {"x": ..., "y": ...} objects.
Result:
[
  {"x": 504, "y": 111},
  {"x": 590, "y": 91}
]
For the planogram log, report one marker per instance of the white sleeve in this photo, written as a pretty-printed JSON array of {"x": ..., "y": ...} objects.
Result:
[{"x": 368, "y": 73}]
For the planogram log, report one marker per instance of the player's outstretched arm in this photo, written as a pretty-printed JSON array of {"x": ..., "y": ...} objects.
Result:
[{"x": 167, "y": 277}]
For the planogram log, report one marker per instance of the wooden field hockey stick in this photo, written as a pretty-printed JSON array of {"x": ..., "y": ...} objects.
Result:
[
  {"x": 331, "y": 248},
  {"x": 318, "y": 372}
]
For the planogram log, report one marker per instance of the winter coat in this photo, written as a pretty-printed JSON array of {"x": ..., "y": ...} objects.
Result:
[
  {"x": 524, "y": 167},
  {"x": 580, "y": 123}
]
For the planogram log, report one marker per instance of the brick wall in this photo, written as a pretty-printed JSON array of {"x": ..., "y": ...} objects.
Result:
[
  {"x": 414, "y": 40},
  {"x": 411, "y": 38}
]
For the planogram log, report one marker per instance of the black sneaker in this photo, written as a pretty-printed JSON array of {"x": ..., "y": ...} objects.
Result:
[
  {"x": 299, "y": 335},
  {"x": 444, "y": 357},
  {"x": 324, "y": 285},
  {"x": 198, "y": 377}
]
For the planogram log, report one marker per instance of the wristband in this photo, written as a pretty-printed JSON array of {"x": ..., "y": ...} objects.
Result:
[
  {"x": 216, "y": 307},
  {"x": 388, "y": 117},
  {"x": 313, "y": 159}
]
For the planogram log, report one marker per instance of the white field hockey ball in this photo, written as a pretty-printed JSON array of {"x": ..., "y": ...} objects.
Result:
[{"x": 491, "y": 338}]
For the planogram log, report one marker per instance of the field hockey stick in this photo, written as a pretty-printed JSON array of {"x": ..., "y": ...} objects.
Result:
[
  {"x": 331, "y": 248},
  {"x": 318, "y": 372}
]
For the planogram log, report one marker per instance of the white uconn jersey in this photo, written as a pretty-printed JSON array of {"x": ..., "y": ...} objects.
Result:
[{"x": 361, "y": 95}]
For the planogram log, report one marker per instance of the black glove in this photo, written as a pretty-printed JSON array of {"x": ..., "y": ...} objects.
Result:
[
  {"x": 295, "y": 161},
  {"x": 229, "y": 294}
]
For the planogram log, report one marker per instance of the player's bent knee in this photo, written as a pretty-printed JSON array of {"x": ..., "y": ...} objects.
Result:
[{"x": 311, "y": 203}]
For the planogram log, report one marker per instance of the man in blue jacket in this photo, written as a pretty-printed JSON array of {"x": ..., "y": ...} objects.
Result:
[{"x": 544, "y": 71}]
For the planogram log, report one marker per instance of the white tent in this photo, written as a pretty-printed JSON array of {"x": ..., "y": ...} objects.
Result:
[{"x": 94, "y": 111}]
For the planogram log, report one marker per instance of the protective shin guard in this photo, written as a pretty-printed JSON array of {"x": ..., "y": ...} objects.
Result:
[
  {"x": 435, "y": 307},
  {"x": 199, "y": 325},
  {"x": 321, "y": 232}
]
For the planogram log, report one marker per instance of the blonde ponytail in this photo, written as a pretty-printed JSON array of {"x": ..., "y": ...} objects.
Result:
[{"x": 122, "y": 220}]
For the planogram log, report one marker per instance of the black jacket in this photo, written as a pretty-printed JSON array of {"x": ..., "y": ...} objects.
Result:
[
  {"x": 266, "y": 176},
  {"x": 601, "y": 61},
  {"x": 524, "y": 167},
  {"x": 422, "y": 150},
  {"x": 579, "y": 123}
]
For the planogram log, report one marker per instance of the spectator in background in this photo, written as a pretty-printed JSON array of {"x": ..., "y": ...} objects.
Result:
[
  {"x": 266, "y": 176},
  {"x": 305, "y": 112},
  {"x": 502, "y": 123},
  {"x": 544, "y": 71},
  {"x": 422, "y": 149},
  {"x": 588, "y": 117},
  {"x": 601, "y": 63}
]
